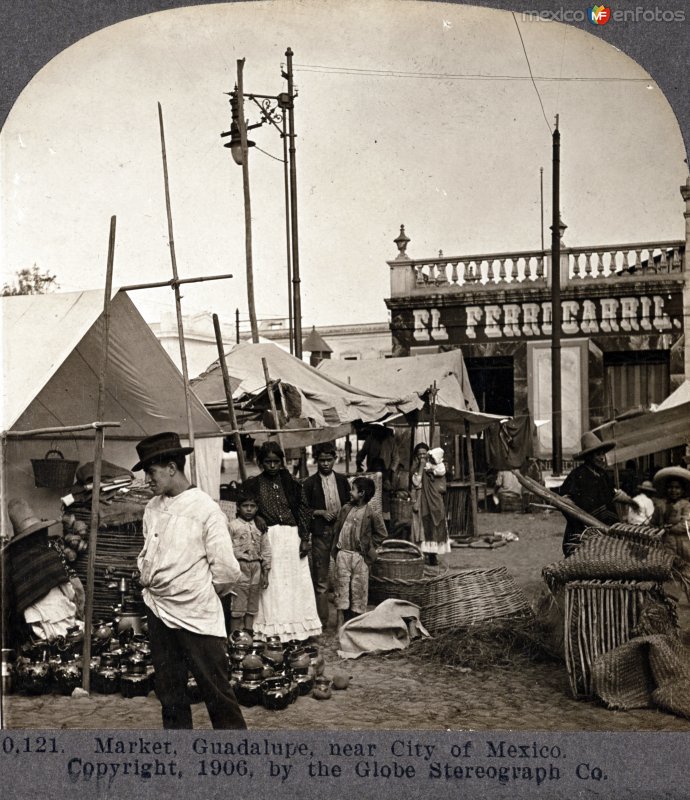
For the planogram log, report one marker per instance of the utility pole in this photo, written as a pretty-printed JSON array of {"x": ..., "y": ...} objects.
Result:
[
  {"x": 297, "y": 302},
  {"x": 242, "y": 124},
  {"x": 556, "y": 415}
]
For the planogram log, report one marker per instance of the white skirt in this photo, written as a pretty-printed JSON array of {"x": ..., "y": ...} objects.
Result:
[{"x": 287, "y": 607}]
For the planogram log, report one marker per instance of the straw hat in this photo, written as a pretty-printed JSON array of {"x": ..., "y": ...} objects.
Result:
[
  {"x": 24, "y": 521},
  {"x": 591, "y": 443},
  {"x": 663, "y": 476},
  {"x": 160, "y": 445},
  {"x": 646, "y": 486}
]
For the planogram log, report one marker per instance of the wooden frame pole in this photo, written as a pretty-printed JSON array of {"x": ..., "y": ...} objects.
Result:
[
  {"x": 228, "y": 397},
  {"x": 178, "y": 304},
  {"x": 272, "y": 401},
  {"x": 97, "y": 460},
  {"x": 473, "y": 486}
]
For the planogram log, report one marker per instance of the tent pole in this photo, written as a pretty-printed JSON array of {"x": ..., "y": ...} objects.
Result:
[
  {"x": 272, "y": 401},
  {"x": 178, "y": 304},
  {"x": 228, "y": 397},
  {"x": 162, "y": 284},
  {"x": 433, "y": 391},
  {"x": 63, "y": 429},
  {"x": 473, "y": 485},
  {"x": 97, "y": 459}
]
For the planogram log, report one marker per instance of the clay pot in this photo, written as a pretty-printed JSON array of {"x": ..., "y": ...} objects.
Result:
[
  {"x": 305, "y": 683},
  {"x": 135, "y": 683},
  {"x": 317, "y": 662},
  {"x": 298, "y": 659},
  {"x": 106, "y": 680},
  {"x": 33, "y": 676},
  {"x": 322, "y": 689},
  {"x": 242, "y": 638},
  {"x": 274, "y": 653},
  {"x": 340, "y": 681},
  {"x": 275, "y": 693},
  {"x": 67, "y": 677}
]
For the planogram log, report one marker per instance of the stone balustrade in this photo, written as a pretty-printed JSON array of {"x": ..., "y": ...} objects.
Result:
[
  {"x": 531, "y": 267},
  {"x": 622, "y": 260}
]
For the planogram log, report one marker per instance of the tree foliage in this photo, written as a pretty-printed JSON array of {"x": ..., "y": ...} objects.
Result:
[{"x": 30, "y": 281}]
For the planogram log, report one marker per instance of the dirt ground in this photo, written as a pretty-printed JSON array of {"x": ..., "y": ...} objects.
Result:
[{"x": 389, "y": 692}]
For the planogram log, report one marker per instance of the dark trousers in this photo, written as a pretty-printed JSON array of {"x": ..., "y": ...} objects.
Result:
[
  {"x": 175, "y": 652},
  {"x": 320, "y": 561}
]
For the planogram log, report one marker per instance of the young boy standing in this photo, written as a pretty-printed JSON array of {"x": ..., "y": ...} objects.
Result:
[
  {"x": 253, "y": 552},
  {"x": 358, "y": 531}
]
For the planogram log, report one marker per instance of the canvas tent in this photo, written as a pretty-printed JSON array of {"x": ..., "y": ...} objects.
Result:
[
  {"x": 51, "y": 356},
  {"x": 414, "y": 375},
  {"x": 318, "y": 406},
  {"x": 663, "y": 428}
]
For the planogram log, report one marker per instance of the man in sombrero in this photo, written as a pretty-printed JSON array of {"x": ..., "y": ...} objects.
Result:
[
  {"x": 591, "y": 488},
  {"x": 187, "y": 564}
]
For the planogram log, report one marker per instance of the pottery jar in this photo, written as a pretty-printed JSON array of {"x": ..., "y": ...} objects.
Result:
[{"x": 275, "y": 693}]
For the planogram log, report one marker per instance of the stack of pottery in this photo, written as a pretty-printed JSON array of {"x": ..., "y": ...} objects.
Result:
[
  {"x": 248, "y": 690},
  {"x": 274, "y": 654},
  {"x": 67, "y": 675},
  {"x": 317, "y": 662},
  {"x": 298, "y": 664},
  {"x": 33, "y": 669},
  {"x": 134, "y": 682},
  {"x": 105, "y": 677}
]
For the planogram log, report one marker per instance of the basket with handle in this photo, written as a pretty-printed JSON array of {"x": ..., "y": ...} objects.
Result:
[
  {"x": 399, "y": 560},
  {"x": 54, "y": 471}
]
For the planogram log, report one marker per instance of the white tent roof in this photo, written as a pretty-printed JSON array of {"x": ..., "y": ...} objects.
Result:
[
  {"x": 678, "y": 397},
  {"x": 51, "y": 359},
  {"x": 414, "y": 375},
  {"x": 323, "y": 401}
]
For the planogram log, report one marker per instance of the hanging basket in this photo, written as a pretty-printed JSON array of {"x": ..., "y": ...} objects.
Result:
[
  {"x": 399, "y": 560},
  {"x": 54, "y": 471}
]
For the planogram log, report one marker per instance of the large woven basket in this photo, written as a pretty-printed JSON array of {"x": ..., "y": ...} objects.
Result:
[
  {"x": 54, "y": 471},
  {"x": 401, "y": 507},
  {"x": 456, "y": 598},
  {"x": 602, "y": 615},
  {"x": 398, "y": 560}
]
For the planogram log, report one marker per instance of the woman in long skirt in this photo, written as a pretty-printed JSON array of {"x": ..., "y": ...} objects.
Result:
[
  {"x": 287, "y": 607},
  {"x": 428, "y": 486}
]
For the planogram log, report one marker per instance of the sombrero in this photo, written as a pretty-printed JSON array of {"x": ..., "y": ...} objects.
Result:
[
  {"x": 591, "y": 443},
  {"x": 663, "y": 476},
  {"x": 24, "y": 521}
]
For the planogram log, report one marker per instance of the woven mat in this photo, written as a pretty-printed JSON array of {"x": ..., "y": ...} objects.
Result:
[
  {"x": 646, "y": 671},
  {"x": 614, "y": 555}
]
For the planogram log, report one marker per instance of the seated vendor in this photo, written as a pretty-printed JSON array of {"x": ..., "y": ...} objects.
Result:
[{"x": 39, "y": 598}]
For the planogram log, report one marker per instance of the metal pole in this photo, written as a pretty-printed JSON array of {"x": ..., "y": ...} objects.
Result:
[
  {"x": 541, "y": 198},
  {"x": 242, "y": 124},
  {"x": 286, "y": 184},
  {"x": 237, "y": 326},
  {"x": 272, "y": 401},
  {"x": 228, "y": 397},
  {"x": 293, "y": 210},
  {"x": 432, "y": 419},
  {"x": 556, "y": 416},
  {"x": 178, "y": 304},
  {"x": 97, "y": 460}
]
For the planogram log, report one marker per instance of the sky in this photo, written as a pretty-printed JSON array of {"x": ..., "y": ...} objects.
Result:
[{"x": 420, "y": 114}]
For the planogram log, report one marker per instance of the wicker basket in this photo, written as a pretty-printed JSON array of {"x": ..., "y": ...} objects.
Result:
[
  {"x": 456, "y": 598},
  {"x": 401, "y": 508},
  {"x": 602, "y": 615},
  {"x": 54, "y": 471},
  {"x": 399, "y": 560}
]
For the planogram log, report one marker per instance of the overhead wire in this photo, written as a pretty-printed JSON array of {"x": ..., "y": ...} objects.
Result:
[{"x": 529, "y": 67}]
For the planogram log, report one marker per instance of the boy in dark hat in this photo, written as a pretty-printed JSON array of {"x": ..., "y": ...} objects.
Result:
[
  {"x": 253, "y": 551},
  {"x": 186, "y": 565},
  {"x": 591, "y": 488}
]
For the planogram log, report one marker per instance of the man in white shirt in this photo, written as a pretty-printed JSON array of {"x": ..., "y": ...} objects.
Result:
[{"x": 186, "y": 565}]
